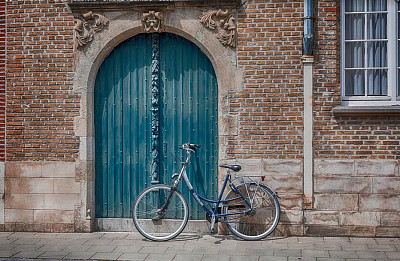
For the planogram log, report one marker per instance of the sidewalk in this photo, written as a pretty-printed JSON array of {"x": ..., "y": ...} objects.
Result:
[{"x": 132, "y": 246}]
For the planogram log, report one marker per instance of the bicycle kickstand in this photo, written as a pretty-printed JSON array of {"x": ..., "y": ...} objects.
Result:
[{"x": 213, "y": 224}]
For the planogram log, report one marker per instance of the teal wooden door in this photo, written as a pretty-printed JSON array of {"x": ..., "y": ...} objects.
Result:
[{"x": 153, "y": 93}]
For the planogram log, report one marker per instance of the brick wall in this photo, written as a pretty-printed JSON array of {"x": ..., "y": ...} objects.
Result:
[
  {"x": 2, "y": 77},
  {"x": 271, "y": 103},
  {"x": 41, "y": 104},
  {"x": 356, "y": 166},
  {"x": 357, "y": 137}
]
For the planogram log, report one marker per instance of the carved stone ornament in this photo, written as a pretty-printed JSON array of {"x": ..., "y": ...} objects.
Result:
[
  {"x": 152, "y": 21},
  {"x": 87, "y": 27},
  {"x": 223, "y": 22}
]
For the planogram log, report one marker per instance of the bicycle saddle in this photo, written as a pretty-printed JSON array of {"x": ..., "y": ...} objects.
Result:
[{"x": 232, "y": 167}]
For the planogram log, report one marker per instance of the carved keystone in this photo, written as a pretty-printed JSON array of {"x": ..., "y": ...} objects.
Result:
[
  {"x": 152, "y": 21},
  {"x": 224, "y": 23}
]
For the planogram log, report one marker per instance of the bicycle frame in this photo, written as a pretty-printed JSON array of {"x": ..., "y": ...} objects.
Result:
[{"x": 200, "y": 200}]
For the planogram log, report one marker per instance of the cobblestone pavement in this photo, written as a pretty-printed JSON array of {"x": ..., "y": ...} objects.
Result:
[{"x": 132, "y": 246}]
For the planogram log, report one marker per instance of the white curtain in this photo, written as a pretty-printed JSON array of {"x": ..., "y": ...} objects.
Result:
[{"x": 374, "y": 51}]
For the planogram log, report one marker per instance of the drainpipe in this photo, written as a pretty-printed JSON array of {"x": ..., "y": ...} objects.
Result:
[{"x": 308, "y": 61}]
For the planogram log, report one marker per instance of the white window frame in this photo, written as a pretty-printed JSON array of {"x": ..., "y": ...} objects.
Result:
[{"x": 393, "y": 97}]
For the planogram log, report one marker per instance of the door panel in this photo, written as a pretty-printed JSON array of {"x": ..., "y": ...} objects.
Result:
[{"x": 188, "y": 101}]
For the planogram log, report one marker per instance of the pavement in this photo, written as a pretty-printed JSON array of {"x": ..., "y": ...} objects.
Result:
[{"x": 186, "y": 247}]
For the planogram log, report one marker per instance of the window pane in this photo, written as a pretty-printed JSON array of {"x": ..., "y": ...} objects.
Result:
[
  {"x": 377, "y": 26},
  {"x": 354, "y": 26},
  {"x": 377, "y": 82},
  {"x": 377, "y": 5},
  {"x": 354, "y": 55},
  {"x": 377, "y": 54},
  {"x": 355, "y": 82},
  {"x": 354, "y": 6}
]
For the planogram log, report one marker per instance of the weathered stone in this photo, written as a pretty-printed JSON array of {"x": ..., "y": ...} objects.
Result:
[
  {"x": 283, "y": 167},
  {"x": 61, "y": 201},
  {"x": 360, "y": 218},
  {"x": 285, "y": 183},
  {"x": 53, "y": 216},
  {"x": 291, "y": 217},
  {"x": 329, "y": 218},
  {"x": 343, "y": 185},
  {"x": 291, "y": 201},
  {"x": 386, "y": 185},
  {"x": 376, "y": 168},
  {"x": 379, "y": 202},
  {"x": 19, "y": 215},
  {"x": 389, "y": 219},
  {"x": 326, "y": 231},
  {"x": 29, "y": 185},
  {"x": 25, "y": 201},
  {"x": 288, "y": 230},
  {"x": 66, "y": 186},
  {"x": 388, "y": 231},
  {"x": 23, "y": 169},
  {"x": 333, "y": 167},
  {"x": 336, "y": 202},
  {"x": 249, "y": 167},
  {"x": 58, "y": 169},
  {"x": 229, "y": 125}
]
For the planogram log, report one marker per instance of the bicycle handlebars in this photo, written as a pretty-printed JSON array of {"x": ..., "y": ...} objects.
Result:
[{"x": 189, "y": 146}]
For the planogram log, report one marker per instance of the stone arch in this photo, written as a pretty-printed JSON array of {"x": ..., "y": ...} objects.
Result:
[{"x": 88, "y": 60}]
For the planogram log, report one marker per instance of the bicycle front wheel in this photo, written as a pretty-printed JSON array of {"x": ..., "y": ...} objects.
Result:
[
  {"x": 261, "y": 220},
  {"x": 150, "y": 223}
]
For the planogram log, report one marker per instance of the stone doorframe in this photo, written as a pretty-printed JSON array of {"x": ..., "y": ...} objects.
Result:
[{"x": 122, "y": 25}]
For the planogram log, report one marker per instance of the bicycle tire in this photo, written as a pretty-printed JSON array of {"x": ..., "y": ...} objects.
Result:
[
  {"x": 262, "y": 221},
  {"x": 149, "y": 224}
]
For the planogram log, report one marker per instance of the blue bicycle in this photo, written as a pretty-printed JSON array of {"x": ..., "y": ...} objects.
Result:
[{"x": 250, "y": 209}]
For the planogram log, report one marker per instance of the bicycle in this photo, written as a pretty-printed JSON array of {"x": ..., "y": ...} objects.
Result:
[{"x": 250, "y": 209}]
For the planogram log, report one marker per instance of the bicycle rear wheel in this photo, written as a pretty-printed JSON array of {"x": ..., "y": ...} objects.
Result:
[
  {"x": 153, "y": 226},
  {"x": 261, "y": 221}
]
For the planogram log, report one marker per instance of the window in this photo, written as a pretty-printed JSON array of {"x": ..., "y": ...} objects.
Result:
[{"x": 370, "y": 56}]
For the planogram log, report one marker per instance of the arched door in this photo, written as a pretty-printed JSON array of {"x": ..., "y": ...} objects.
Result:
[{"x": 153, "y": 93}]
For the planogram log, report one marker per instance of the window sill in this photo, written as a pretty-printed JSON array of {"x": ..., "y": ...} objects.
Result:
[{"x": 348, "y": 111}]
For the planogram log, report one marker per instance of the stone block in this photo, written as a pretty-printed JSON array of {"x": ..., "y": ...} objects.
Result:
[
  {"x": 23, "y": 169},
  {"x": 379, "y": 202},
  {"x": 329, "y": 218},
  {"x": 61, "y": 201},
  {"x": 336, "y": 185},
  {"x": 390, "y": 219},
  {"x": 291, "y": 201},
  {"x": 286, "y": 230},
  {"x": 285, "y": 183},
  {"x": 249, "y": 167},
  {"x": 53, "y": 216},
  {"x": 388, "y": 232},
  {"x": 360, "y": 219},
  {"x": 58, "y": 169},
  {"x": 376, "y": 168},
  {"x": 228, "y": 124},
  {"x": 333, "y": 167},
  {"x": 25, "y": 201},
  {"x": 336, "y": 202},
  {"x": 18, "y": 215},
  {"x": 386, "y": 185},
  {"x": 291, "y": 217},
  {"x": 29, "y": 185},
  {"x": 66, "y": 186},
  {"x": 283, "y": 167},
  {"x": 326, "y": 231}
]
